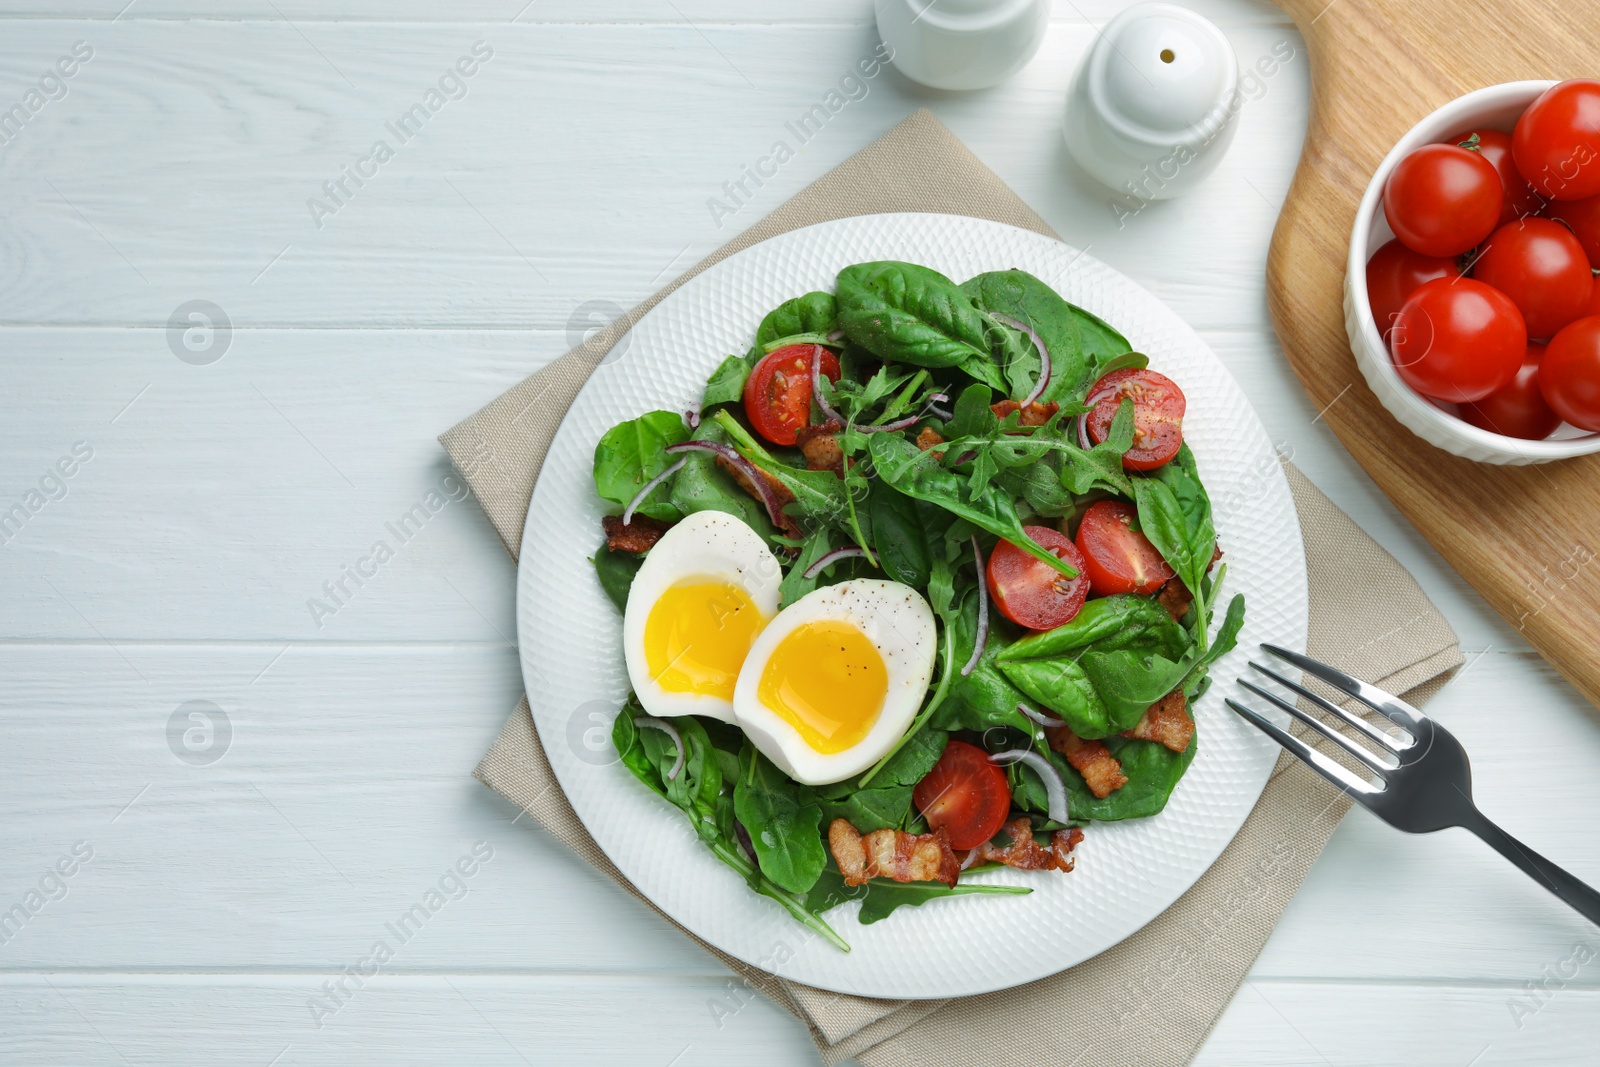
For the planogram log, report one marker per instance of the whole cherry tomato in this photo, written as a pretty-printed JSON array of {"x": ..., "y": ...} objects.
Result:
[
  {"x": 1569, "y": 374},
  {"x": 777, "y": 395},
  {"x": 1394, "y": 272},
  {"x": 1158, "y": 407},
  {"x": 1117, "y": 558},
  {"x": 1557, "y": 141},
  {"x": 1029, "y": 591},
  {"x": 1518, "y": 408},
  {"x": 1542, "y": 268},
  {"x": 1442, "y": 200},
  {"x": 1458, "y": 340},
  {"x": 1582, "y": 217},
  {"x": 1495, "y": 146},
  {"x": 965, "y": 794}
]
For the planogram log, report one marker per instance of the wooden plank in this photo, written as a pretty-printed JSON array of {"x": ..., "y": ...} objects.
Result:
[{"x": 1522, "y": 535}]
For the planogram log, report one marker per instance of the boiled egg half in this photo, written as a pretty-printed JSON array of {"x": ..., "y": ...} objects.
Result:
[
  {"x": 704, "y": 592},
  {"x": 832, "y": 683}
]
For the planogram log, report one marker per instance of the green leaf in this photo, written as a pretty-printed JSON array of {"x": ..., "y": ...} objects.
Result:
[
  {"x": 911, "y": 314},
  {"x": 897, "y": 535},
  {"x": 878, "y": 808},
  {"x": 1126, "y": 361},
  {"x": 795, "y": 584},
  {"x": 1100, "y": 467},
  {"x": 704, "y": 486},
  {"x": 726, "y": 385},
  {"x": 1153, "y": 771},
  {"x": 985, "y": 698},
  {"x": 812, "y": 313},
  {"x": 1081, "y": 345},
  {"x": 630, "y": 454},
  {"x": 884, "y": 895},
  {"x": 616, "y": 571},
  {"x": 783, "y": 820}
]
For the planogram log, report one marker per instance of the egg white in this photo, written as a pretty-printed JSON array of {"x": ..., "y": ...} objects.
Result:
[
  {"x": 704, "y": 546},
  {"x": 897, "y": 621}
]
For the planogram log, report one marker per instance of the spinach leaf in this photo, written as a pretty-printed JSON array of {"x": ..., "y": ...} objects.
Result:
[
  {"x": 650, "y": 755},
  {"x": 911, "y": 314},
  {"x": 795, "y": 584},
  {"x": 726, "y": 385},
  {"x": 1175, "y": 514},
  {"x": 985, "y": 698},
  {"x": 783, "y": 820},
  {"x": 704, "y": 486},
  {"x": 1080, "y": 344},
  {"x": 630, "y": 454},
  {"x": 615, "y": 571},
  {"x": 897, "y": 535},
  {"x": 1153, "y": 771},
  {"x": 878, "y": 808},
  {"x": 917, "y": 474},
  {"x": 811, "y": 313}
]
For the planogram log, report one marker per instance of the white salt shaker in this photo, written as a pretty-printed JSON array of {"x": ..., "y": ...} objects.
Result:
[
  {"x": 1155, "y": 102},
  {"x": 962, "y": 44}
]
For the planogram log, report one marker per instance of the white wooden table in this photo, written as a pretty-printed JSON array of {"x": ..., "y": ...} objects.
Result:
[{"x": 232, "y": 475}]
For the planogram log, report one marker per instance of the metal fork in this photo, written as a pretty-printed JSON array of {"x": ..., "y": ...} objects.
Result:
[{"x": 1424, "y": 780}]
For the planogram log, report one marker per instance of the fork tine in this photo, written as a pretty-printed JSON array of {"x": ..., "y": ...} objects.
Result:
[
  {"x": 1334, "y": 709},
  {"x": 1323, "y": 765},
  {"x": 1384, "y": 703},
  {"x": 1368, "y": 758}
]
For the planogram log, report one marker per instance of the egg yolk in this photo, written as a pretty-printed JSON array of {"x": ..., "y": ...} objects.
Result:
[
  {"x": 697, "y": 636},
  {"x": 828, "y": 681}
]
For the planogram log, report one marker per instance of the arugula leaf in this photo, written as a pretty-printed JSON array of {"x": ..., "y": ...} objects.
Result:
[
  {"x": 1081, "y": 345},
  {"x": 630, "y": 454},
  {"x": 911, "y": 314},
  {"x": 783, "y": 820},
  {"x": 616, "y": 571},
  {"x": 726, "y": 385},
  {"x": 884, "y": 895},
  {"x": 812, "y": 313},
  {"x": 1100, "y": 468}
]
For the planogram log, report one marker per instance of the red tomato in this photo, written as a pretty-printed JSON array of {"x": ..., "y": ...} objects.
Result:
[
  {"x": 1029, "y": 591},
  {"x": 1394, "y": 272},
  {"x": 1442, "y": 200},
  {"x": 1594, "y": 302},
  {"x": 1557, "y": 141},
  {"x": 1520, "y": 198},
  {"x": 1516, "y": 409},
  {"x": 777, "y": 395},
  {"x": 1158, "y": 407},
  {"x": 966, "y": 793},
  {"x": 1542, "y": 268},
  {"x": 1458, "y": 340},
  {"x": 1582, "y": 217},
  {"x": 1569, "y": 374},
  {"x": 1117, "y": 558}
]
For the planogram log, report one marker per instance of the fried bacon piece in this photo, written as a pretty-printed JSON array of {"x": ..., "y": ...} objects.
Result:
[
  {"x": 1175, "y": 596},
  {"x": 1101, "y": 771},
  {"x": 780, "y": 493},
  {"x": 892, "y": 854},
  {"x": 1166, "y": 722},
  {"x": 928, "y": 438},
  {"x": 1025, "y": 854},
  {"x": 1035, "y": 414},
  {"x": 638, "y": 536},
  {"x": 820, "y": 446}
]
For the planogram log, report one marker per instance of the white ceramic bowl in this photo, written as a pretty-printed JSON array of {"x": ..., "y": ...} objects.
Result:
[{"x": 1496, "y": 107}]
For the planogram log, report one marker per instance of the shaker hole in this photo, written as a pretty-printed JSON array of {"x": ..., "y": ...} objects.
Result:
[{"x": 1167, "y": 55}]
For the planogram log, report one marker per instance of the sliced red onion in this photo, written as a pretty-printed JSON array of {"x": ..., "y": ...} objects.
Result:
[
  {"x": 832, "y": 557},
  {"x": 816, "y": 386},
  {"x": 692, "y": 418},
  {"x": 1083, "y": 432},
  {"x": 972, "y": 857},
  {"x": 982, "y": 640},
  {"x": 1054, "y": 789},
  {"x": 836, "y": 335},
  {"x": 745, "y": 467},
  {"x": 652, "y": 723},
  {"x": 745, "y": 843},
  {"x": 1040, "y": 717},
  {"x": 627, "y": 513},
  {"x": 1044, "y": 355}
]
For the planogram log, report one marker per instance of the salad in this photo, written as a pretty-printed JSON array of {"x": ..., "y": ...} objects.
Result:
[{"x": 924, "y": 586}]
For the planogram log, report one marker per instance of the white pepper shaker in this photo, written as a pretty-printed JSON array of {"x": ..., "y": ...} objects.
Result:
[
  {"x": 962, "y": 44},
  {"x": 1152, "y": 109}
]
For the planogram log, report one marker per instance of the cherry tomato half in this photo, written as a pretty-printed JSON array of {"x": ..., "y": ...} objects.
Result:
[
  {"x": 1542, "y": 268},
  {"x": 1158, "y": 407},
  {"x": 1394, "y": 272},
  {"x": 1117, "y": 558},
  {"x": 1582, "y": 217},
  {"x": 1518, "y": 408},
  {"x": 1569, "y": 374},
  {"x": 1029, "y": 591},
  {"x": 1442, "y": 199},
  {"x": 1458, "y": 340},
  {"x": 966, "y": 794},
  {"x": 777, "y": 395},
  {"x": 1557, "y": 141},
  {"x": 1520, "y": 198}
]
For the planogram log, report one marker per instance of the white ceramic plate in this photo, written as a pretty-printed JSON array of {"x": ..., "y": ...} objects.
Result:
[{"x": 569, "y": 634}]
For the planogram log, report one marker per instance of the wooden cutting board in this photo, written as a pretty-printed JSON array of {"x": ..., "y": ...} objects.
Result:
[{"x": 1528, "y": 538}]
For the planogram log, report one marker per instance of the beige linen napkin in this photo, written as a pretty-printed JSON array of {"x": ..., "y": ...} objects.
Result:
[{"x": 1152, "y": 999}]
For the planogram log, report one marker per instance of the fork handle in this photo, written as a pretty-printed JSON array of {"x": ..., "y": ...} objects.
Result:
[{"x": 1578, "y": 894}]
